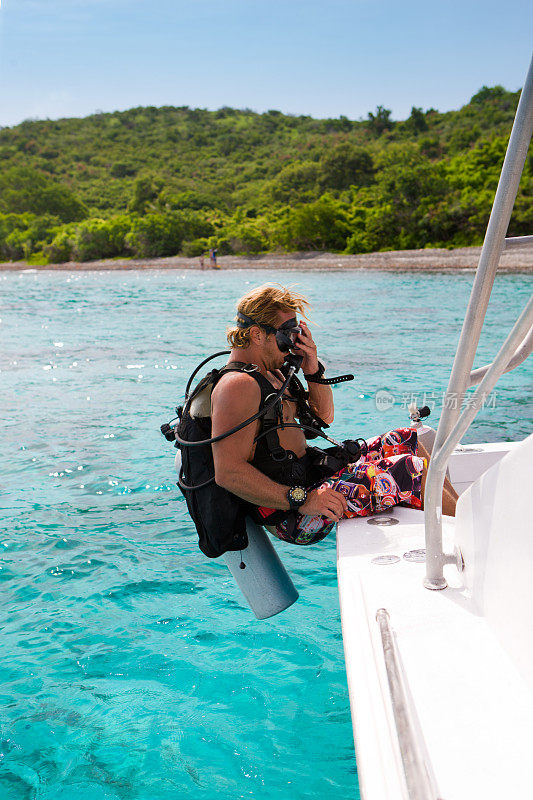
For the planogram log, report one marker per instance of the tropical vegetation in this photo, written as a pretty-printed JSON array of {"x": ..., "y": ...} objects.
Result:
[{"x": 154, "y": 182}]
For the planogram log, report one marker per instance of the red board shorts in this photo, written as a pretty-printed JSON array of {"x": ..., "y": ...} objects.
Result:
[{"x": 389, "y": 474}]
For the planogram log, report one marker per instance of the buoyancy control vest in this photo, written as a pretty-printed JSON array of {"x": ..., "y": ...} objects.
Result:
[{"x": 219, "y": 515}]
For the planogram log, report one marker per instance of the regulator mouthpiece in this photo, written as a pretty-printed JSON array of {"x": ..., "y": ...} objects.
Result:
[{"x": 292, "y": 360}]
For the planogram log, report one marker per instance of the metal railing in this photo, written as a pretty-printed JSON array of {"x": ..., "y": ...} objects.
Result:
[
  {"x": 418, "y": 777},
  {"x": 454, "y": 422},
  {"x": 518, "y": 242},
  {"x": 522, "y": 352}
]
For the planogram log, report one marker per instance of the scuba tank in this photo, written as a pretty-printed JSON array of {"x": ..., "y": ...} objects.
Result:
[{"x": 426, "y": 434}]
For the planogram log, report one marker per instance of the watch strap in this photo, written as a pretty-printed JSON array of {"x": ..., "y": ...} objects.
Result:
[
  {"x": 316, "y": 375},
  {"x": 295, "y": 504}
]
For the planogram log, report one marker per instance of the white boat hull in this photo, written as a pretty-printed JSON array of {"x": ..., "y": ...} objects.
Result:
[{"x": 467, "y": 685}]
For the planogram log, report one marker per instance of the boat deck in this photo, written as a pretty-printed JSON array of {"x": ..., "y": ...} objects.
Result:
[{"x": 472, "y": 708}]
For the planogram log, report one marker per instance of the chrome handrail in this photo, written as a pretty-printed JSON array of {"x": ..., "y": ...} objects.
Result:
[
  {"x": 476, "y": 400},
  {"x": 451, "y": 425},
  {"x": 521, "y": 353},
  {"x": 518, "y": 242},
  {"x": 418, "y": 776}
]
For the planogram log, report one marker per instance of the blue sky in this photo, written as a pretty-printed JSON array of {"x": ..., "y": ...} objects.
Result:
[{"x": 72, "y": 57}]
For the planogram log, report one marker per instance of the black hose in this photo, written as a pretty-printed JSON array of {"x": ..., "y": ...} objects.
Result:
[
  {"x": 260, "y": 413},
  {"x": 183, "y": 485},
  {"x": 302, "y": 427},
  {"x": 363, "y": 450},
  {"x": 199, "y": 367}
]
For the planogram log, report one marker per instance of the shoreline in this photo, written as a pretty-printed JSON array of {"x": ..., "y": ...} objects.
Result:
[{"x": 426, "y": 260}]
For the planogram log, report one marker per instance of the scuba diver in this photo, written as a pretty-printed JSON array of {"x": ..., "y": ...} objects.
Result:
[{"x": 243, "y": 452}]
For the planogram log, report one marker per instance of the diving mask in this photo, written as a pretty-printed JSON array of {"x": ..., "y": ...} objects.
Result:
[{"x": 286, "y": 335}]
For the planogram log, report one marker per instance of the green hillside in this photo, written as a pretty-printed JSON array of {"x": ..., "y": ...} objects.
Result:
[{"x": 160, "y": 181}]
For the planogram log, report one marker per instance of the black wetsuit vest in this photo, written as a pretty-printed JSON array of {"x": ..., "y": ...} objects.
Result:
[{"x": 219, "y": 515}]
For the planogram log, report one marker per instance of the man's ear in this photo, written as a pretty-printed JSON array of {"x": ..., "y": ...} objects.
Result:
[{"x": 256, "y": 334}]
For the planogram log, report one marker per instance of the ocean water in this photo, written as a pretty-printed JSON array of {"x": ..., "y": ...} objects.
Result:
[{"x": 130, "y": 665}]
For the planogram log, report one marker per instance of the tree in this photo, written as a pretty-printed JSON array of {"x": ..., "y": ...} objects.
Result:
[
  {"x": 98, "y": 238},
  {"x": 163, "y": 234},
  {"x": 295, "y": 182},
  {"x": 145, "y": 191},
  {"x": 24, "y": 189},
  {"x": 322, "y": 225},
  {"x": 344, "y": 166},
  {"x": 195, "y": 169},
  {"x": 417, "y": 121},
  {"x": 380, "y": 121},
  {"x": 487, "y": 93},
  {"x": 23, "y": 234}
]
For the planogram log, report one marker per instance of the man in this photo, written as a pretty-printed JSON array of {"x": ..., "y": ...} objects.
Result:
[{"x": 238, "y": 396}]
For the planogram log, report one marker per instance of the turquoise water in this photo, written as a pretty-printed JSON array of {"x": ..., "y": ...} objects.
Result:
[{"x": 131, "y": 667}]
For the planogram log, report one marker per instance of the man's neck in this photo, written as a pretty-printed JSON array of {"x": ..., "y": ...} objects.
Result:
[{"x": 249, "y": 355}]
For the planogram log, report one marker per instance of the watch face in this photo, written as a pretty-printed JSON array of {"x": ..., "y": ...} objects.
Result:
[{"x": 298, "y": 494}]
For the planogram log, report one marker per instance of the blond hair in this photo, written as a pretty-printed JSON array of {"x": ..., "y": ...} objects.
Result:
[{"x": 263, "y": 305}]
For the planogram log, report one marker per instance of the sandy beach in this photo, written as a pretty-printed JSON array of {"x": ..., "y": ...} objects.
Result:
[{"x": 430, "y": 260}]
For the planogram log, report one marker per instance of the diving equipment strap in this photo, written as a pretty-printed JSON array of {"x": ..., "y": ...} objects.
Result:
[
  {"x": 329, "y": 381},
  {"x": 316, "y": 377}
]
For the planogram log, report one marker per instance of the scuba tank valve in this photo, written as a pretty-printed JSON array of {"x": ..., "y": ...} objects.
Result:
[{"x": 426, "y": 434}]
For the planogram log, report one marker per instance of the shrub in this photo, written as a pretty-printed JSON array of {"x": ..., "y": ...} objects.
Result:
[
  {"x": 22, "y": 234},
  {"x": 60, "y": 248},
  {"x": 186, "y": 200},
  {"x": 145, "y": 192},
  {"x": 195, "y": 248},
  {"x": 357, "y": 243},
  {"x": 155, "y": 235},
  {"x": 322, "y": 225},
  {"x": 17, "y": 245},
  {"x": 250, "y": 241},
  {"x": 345, "y": 166},
  {"x": 121, "y": 169},
  {"x": 98, "y": 238},
  {"x": 295, "y": 182},
  {"x": 24, "y": 189},
  {"x": 223, "y": 246}
]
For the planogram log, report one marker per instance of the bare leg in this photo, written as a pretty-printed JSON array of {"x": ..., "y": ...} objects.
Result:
[{"x": 449, "y": 495}]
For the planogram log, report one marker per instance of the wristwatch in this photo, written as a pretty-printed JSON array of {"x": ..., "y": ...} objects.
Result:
[{"x": 296, "y": 496}]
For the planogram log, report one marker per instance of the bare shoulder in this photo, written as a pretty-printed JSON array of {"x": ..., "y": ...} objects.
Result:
[{"x": 239, "y": 387}]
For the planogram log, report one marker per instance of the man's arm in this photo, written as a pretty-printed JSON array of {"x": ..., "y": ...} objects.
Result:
[
  {"x": 235, "y": 398},
  {"x": 320, "y": 395},
  {"x": 321, "y": 401}
]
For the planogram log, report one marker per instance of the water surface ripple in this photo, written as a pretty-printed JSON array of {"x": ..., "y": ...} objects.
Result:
[{"x": 131, "y": 667}]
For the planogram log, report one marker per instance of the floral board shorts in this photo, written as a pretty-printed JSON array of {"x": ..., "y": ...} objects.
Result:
[{"x": 389, "y": 474}]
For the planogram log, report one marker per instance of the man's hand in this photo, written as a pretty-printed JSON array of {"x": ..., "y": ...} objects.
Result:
[
  {"x": 306, "y": 347},
  {"x": 326, "y": 502},
  {"x": 320, "y": 396}
]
